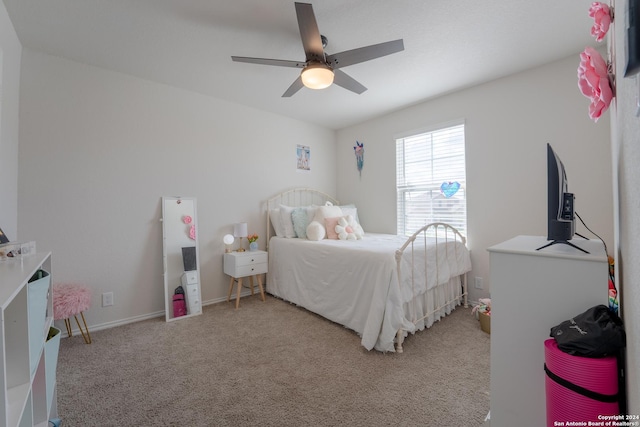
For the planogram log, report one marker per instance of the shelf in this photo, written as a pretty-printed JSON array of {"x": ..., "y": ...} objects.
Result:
[
  {"x": 27, "y": 393},
  {"x": 14, "y": 272},
  {"x": 16, "y": 401}
]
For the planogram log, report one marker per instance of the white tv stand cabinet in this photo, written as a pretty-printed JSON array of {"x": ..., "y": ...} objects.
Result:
[
  {"x": 532, "y": 291},
  {"x": 29, "y": 358}
]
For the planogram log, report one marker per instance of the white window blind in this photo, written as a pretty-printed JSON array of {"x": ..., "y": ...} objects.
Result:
[{"x": 431, "y": 179}]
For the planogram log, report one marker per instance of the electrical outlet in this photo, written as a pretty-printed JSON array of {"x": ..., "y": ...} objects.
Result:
[
  {"x": 478, "y": 283},
  {"x": 107, "y": 299}
]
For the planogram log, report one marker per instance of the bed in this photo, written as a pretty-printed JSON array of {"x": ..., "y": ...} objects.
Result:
[{"x": 381, "y": 286}]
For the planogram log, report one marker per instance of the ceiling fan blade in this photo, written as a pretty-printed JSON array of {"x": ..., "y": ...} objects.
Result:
[
  {"x": 343, "y": 79},
  {"x": 311, "y": 40},
  {"x": 295, "y": 86},
  {"x": 362, "y": 54},
  {"x": 266, "y": 61}
]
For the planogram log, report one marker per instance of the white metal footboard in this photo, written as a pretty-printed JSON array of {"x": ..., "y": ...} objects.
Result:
[{"x": 416, "y": 249}]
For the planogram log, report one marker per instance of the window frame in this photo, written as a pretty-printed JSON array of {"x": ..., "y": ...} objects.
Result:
[{"x": 403, "y": 188}]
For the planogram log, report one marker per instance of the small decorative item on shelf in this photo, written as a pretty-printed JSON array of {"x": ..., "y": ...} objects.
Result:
[
  {"x": 14, "y": 250},
  {"x": 253, "y": 245}
]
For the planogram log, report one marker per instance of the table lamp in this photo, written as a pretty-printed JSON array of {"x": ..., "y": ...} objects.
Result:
[{"x": 240, "y": 230}]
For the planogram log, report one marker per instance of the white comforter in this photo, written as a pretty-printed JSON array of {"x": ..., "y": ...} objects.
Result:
[{"x": 355, "y": 283}]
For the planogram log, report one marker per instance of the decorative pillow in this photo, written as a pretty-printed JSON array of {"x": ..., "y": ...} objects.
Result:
[
  {"x": 300, "y": 220},
  {"x": 274, "y": 216},
  {"x": 287, "y": 222},
  {"x": 350, "y": 210},
  {"x": 323, "y": 212},
  {"x": 348, "y": 229},
  {"x": 330, "y": 225},
  {"x": 315, "y": 231}
]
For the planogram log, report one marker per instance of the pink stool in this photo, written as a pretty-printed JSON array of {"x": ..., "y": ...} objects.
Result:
[{"x": 71, "y": 300}]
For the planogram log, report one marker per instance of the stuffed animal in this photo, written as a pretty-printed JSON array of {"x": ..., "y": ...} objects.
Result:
[{"x": 348, "y": 229}]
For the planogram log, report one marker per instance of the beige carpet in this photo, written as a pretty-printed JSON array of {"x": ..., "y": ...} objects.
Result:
[{"x": 272, "y": 364}]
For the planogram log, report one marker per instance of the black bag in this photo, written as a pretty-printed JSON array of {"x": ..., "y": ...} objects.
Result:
[{"x": 597, "y": 332}]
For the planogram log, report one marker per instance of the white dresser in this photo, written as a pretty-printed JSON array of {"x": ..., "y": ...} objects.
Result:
[{"x": 532, "y": 291}]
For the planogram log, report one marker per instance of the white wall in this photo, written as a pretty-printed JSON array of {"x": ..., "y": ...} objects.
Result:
[
  {"x": 99, "y": 149},
  {"x": 508, "y": 123},
  {"x": 626, "y": 158},
  {"x": 10, "y": 51}
]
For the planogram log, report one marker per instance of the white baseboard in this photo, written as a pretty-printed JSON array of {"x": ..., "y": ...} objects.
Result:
[{"x": 121, "y": 322}]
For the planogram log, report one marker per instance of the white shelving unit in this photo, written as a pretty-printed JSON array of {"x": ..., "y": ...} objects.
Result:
[
  {"x": 29, "y": 357},
  {"x": 532, "y": 291}
]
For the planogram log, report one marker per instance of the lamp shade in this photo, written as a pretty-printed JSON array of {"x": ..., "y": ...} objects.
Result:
[
  {"x": 317, "y": 76},
  {"x": 240, "y": 229}
]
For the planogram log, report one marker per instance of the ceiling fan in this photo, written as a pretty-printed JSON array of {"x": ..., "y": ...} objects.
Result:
[{"x": 320, "y": 70}]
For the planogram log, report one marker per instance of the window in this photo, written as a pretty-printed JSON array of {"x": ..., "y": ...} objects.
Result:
[{"x": 431, "y": 179}]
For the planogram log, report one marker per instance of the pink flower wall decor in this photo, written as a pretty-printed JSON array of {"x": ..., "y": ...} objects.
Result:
[
  {"x": 187, "y": 219},
  {"x": 593, "y": 81},
  {"x": 192, "y": 232},
  {"x": 601, "y": 15}
]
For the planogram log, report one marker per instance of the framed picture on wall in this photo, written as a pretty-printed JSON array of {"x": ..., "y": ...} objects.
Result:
[{"x": 303, "y": 158}]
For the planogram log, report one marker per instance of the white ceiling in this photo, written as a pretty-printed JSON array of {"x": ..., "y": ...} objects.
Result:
[{"x": 449, "y": 44}]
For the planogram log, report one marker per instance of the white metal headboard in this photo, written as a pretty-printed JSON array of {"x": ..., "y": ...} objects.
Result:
[{"x": 295, "y": 197}]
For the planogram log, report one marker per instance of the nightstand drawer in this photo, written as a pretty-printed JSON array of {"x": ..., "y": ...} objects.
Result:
[
  {"x": 238, "y": 260},
  {"x": 250, "y": 270},
  {"x": 249, "y": 259}
]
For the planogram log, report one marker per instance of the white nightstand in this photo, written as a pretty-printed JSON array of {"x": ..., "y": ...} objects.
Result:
[{"x": 245, "y": 264}]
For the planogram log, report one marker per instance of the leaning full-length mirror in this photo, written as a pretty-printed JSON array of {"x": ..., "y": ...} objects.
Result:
[{"x": 180, "y": 258}]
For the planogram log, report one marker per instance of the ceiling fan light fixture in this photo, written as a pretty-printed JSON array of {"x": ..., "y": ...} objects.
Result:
[{"x": 317, "y": 76}]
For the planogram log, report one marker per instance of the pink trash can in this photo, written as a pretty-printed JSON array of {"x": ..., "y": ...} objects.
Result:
[{"x": 579, "y": 389}]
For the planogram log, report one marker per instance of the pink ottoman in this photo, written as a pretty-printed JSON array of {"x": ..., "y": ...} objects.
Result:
[{"x": 70, "y": 300}]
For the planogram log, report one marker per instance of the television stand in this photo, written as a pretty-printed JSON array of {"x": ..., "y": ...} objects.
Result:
[{"x": 564, "y": 242}]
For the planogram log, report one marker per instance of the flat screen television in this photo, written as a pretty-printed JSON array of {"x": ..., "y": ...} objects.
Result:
[{"x": 561, "y": 225}]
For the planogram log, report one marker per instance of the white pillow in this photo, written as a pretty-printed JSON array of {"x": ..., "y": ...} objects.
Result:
[
  {"x": 274, "y": 216},
  {"x": 323, "y": 212},
  {"x": 286, "y": 221},
  {"x": 315, "y": 231},
  {"x": 350, "y": 210}
]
